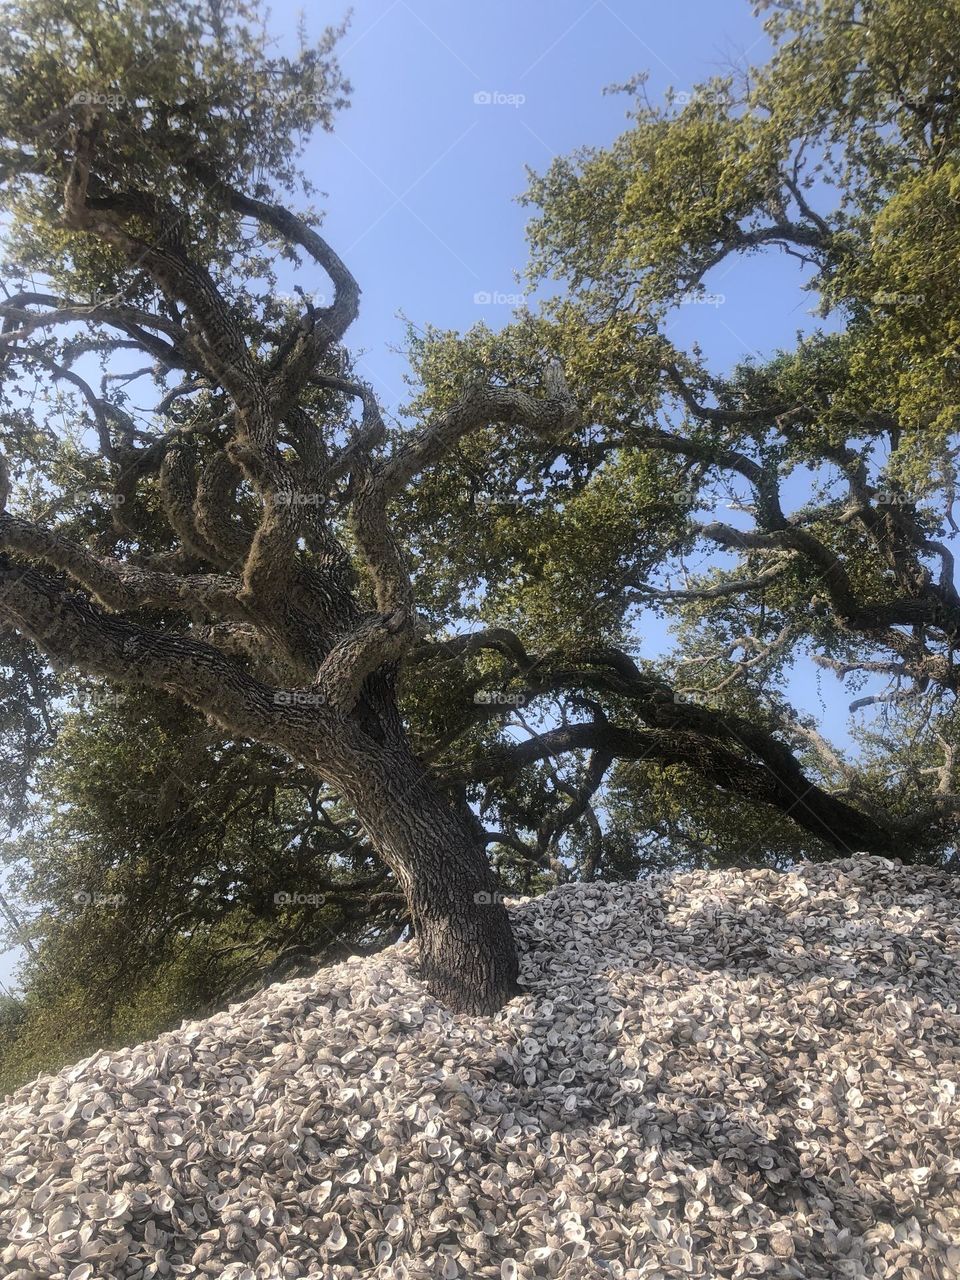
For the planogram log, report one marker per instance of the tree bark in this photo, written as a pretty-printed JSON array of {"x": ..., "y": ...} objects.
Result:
[{"x": 468, "y": 958}]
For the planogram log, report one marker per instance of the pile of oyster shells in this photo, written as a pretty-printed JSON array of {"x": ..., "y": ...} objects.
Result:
[{"x": 737, "y": 1073}]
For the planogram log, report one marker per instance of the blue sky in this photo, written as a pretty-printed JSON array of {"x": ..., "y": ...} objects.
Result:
[{"x": 452, "y": 102}]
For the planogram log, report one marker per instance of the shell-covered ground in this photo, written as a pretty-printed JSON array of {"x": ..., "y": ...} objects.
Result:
[{"x": 710, "y": 1074}]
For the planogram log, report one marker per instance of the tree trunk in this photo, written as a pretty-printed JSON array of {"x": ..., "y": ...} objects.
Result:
[{"x": 468, "y": 958}]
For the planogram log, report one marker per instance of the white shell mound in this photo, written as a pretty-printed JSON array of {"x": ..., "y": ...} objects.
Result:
[{"x": 710, "y": 1074}]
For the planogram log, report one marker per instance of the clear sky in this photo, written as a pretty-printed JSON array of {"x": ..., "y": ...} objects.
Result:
[{"x": 451, "y": 102}]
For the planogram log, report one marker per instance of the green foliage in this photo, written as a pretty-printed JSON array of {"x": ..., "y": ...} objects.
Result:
[
  {"x": 184, "y": 89},
  {"x": 156, "y": 858},
  {"x": 545, "y": 533},
  {"x": 843, "y": 151},
  {"x": 857, "y": 115}
]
